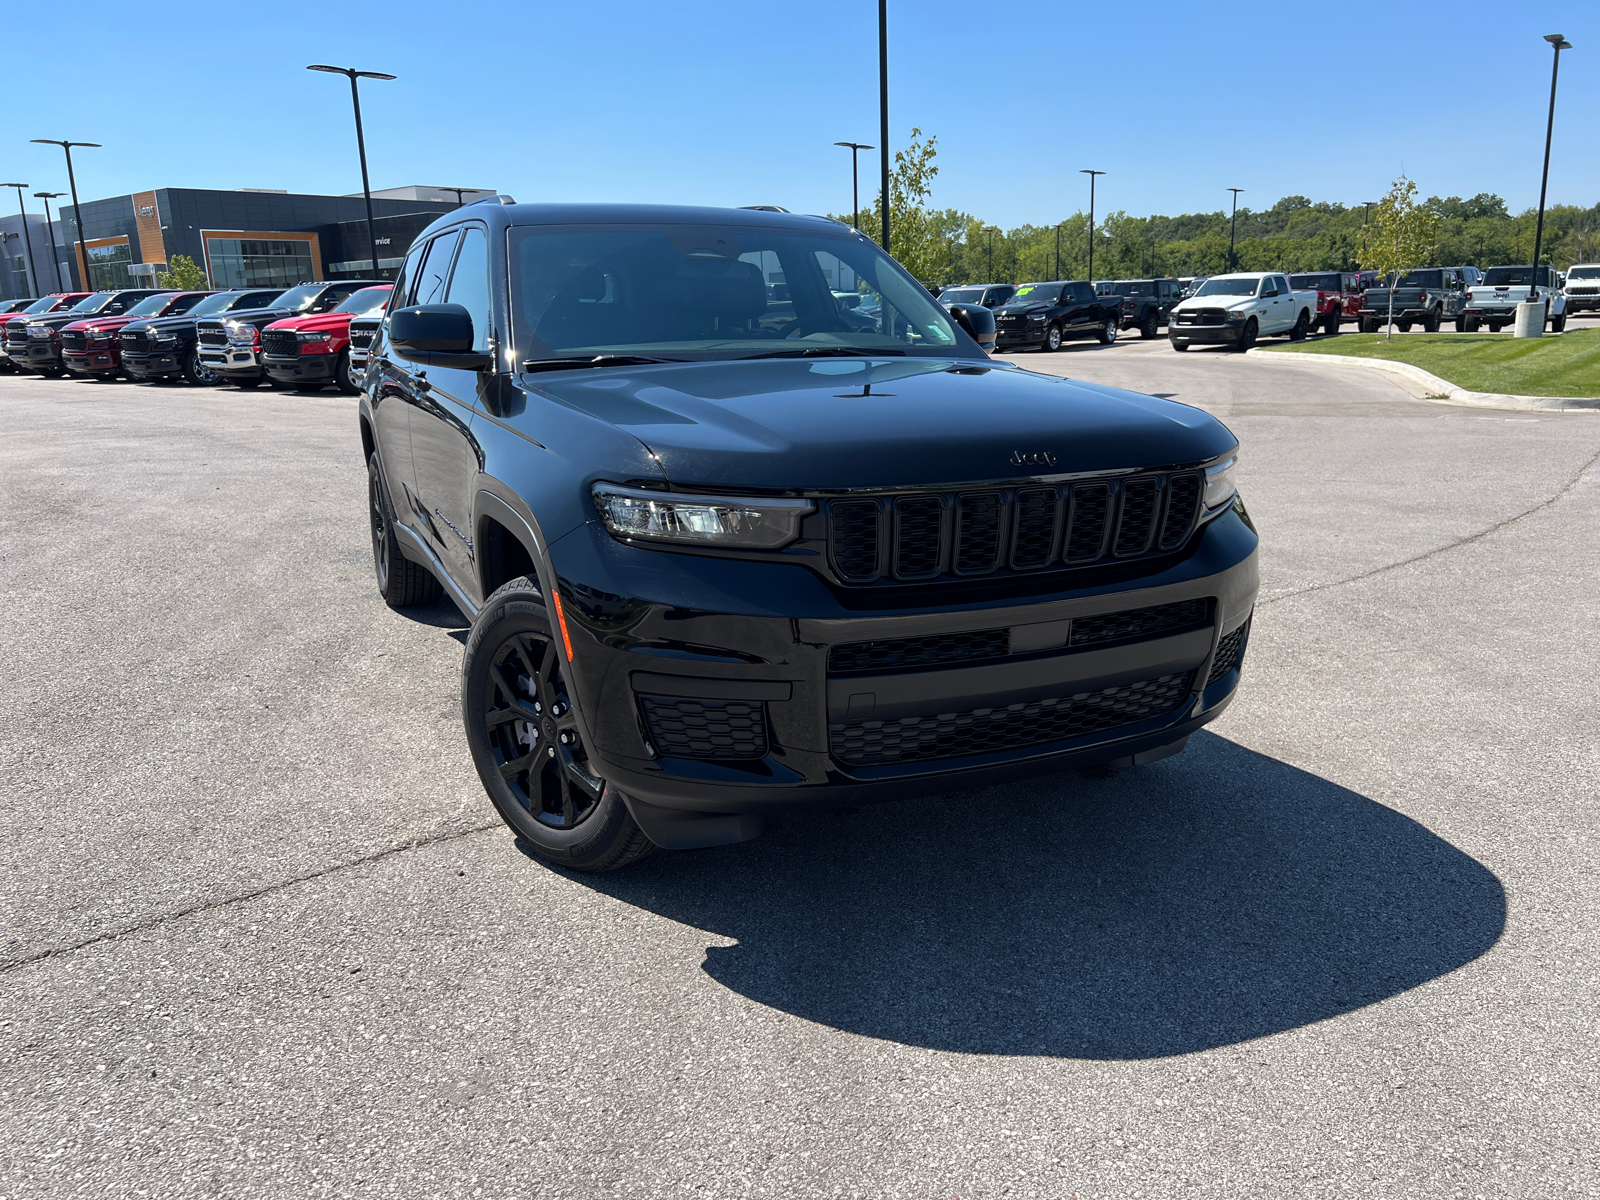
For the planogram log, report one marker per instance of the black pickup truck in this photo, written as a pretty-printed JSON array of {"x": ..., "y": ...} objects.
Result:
[
  {"x": 1145, "y": 302},
  {"x": 165, "y": 347},
  {"x": 230, "y": 347},
  {"x": 36, "y": 345},
  {"x": 1046, "y": 314}
]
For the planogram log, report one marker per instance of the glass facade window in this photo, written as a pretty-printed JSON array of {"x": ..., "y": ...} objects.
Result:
[
  {"x": 259, "y": 262},
  {"x": 19, "y": 278},
  {"x": 108, "y": 267}
]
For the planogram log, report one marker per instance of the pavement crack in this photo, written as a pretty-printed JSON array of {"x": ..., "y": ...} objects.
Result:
[
  {"x": 1437, "y": 550},
  {"x": 212, "y": 905}
]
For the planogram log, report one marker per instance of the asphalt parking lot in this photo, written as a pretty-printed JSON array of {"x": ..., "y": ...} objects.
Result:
[{"x": 264, "y": 936}]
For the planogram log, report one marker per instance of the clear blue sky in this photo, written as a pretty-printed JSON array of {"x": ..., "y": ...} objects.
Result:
[{"x": 739, "y": 103}]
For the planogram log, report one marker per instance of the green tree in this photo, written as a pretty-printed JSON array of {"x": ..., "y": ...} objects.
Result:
[
  {"x": 921, "y": 237},
  {"x": 186, "y": 275},
  {"x": 1403, "y": 234}
]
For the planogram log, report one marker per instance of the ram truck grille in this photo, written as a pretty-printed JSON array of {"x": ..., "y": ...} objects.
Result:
[
  {"x": 73, "y": 339},
  {"x": 212, "y": 333},
  {"x": 280, "y": 343}
]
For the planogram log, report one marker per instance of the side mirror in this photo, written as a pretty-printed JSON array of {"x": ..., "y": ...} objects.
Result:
[
  {"x": 977, "y": 320},
  {"x": 437, "y": 334}
]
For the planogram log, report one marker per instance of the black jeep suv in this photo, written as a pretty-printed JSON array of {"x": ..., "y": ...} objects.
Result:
[
  {"x": 1046, "y": 314},
  {"x": 230, "y": 346},
  {"x": 724, "y": 556},
  {"x": 165, "y": 347}
]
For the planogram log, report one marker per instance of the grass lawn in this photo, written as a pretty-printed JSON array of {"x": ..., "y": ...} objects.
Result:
[{"x": 1568, "y": 365}]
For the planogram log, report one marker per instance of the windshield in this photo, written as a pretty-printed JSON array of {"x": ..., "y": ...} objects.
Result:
[
  {"x": 1421, "y": 279},
  {"x": 1584, "y": 273},
  {"x": 1513, "y": 276},
  {"x": 1037, "y": 293},
  {"x": 366, "y": 302},
  {"x": 1224, "y": 286},
  {"x": 17, "y": 306},
  {"x": 45, "y": 305},
  {"x": 708, "y": 292},
  {"x": 297, "y": 298},
  {"x": 961, "y": 296},
  {"x": 150, "y": 306},
  {"x": 218, "y": 302},
  {"x": 93, "y": 303},
  {"x": 1315, "y": 283}
]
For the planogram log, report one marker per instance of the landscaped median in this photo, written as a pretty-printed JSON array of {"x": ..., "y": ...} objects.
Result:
[{"x": 1475, "y": 368}]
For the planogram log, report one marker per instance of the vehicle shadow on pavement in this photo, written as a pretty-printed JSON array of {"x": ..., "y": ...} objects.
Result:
[{"x": 1198, "y": 902}]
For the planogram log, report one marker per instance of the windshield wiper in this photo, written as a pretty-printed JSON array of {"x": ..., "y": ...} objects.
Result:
[
  {"x": 599, "y": 360},
  {"x": 824, "y": 352}
]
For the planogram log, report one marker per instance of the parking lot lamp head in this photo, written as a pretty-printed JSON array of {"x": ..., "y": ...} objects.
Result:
[
  {"x": 855, "y": 149},
  {"x": 77, "y": 213},
  {"x": 50, "y": 232},
  {"x": 30, "y": 274},
  {"x": 1558, "y": 43},
  {"x": 361, "y": 144}
]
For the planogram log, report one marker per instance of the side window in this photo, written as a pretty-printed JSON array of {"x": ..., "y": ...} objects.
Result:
[
  {"x": 469, "y": 284},
  {"x": 435, "y": 268},
  {"x": 183, "y": 304},
  {"x": 332, "y": 298}
]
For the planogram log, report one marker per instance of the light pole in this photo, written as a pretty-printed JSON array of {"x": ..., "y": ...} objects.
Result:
[
  {"x": 31, "y": 273},
  {"x": 77, "y": 213},
  {"x": 883, "y": 116},
  {"x": 1558, "y": 43},
  {"x": 50, "y": 232},
  {"x": 459, "y": 193},
  {"x": 1233, "y": 228},
  {"x": 1091, "y": 175},
  {"x": 1059, "y": 224},
  {"x": 361, "y": 144},
  {"x": 988, "y": 270},
  {"x": 855, "y": 149}
]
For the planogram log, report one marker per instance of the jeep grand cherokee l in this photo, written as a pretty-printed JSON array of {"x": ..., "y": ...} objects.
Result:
[{"x": 720, "y": 563}]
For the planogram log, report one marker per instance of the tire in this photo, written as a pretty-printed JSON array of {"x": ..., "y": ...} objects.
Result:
[
  {"x": 1052, "y": 338},
  {"x": 1558, "y": 324},
  {"x": 1461, "y": 324},
  {"x": 341, "y": 376},
  {"x": 1330, "y": 324},
  {"x": 254, "y": 381},
  {"x": 1179, "y": 345},
  {"x": 1302, "y": 325},
  {"x": 1403, "y": 326},
  {"x": 1472, "y": 324},
  {"x": 1430, "y": 323},
  {"x": 1247, "y": 335},
  {"x": 1151, "y": 329},
  {"x": 195, "y": 372},
  {"x": 1495, "y": 326},
  {"x": 1106, "y": 335},
  {"x": 401, "y": 582},
  {"x": 526, "y": 743},
  {"x": 1368, "y": 325}
]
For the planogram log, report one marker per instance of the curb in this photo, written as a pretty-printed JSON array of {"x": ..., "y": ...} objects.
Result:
[{"x": 1444, "y": 392}]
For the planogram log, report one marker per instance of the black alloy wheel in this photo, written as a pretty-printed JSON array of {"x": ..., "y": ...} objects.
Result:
[
  {"x": 1461, "y": 324},
  {"x": 1430, "y": 323},
  {"x": 528, "y": 744},
  {"x": 1330, "y": 324},
  {"x": 1107, "y": 333},
  {"x": 1302, "y": 325},
  {"x": 1247, "y": 335},
  {"x": 1151, "y": 327},
  {"x": 1052, "y": 337},
  {"x": 1558, "y": 324},
  {"x": 401, "y": 582}
]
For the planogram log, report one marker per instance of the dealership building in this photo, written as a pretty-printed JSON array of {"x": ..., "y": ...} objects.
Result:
[{"x": 250, "y": 237}]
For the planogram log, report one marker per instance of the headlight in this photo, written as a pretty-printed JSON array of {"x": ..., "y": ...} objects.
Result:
[
  {"x": 745, "y": 523},
  {"x": 315, "y": 337},
  {"x": 1220, "y": 485},
  {"x": 241, "y": 335}
]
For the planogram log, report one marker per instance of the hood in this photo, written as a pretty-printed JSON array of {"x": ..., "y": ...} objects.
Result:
[
  {"x": 59, "y": 320},
  {"x": 1224, "y": 302},
  {"x": 103, "y": 324},
  {"x": 1020, "y": 310},
  {"x": 879, "y": 423},
  {"x": 182, "y": 321},
  {"x": 252, "y": 316},
  {"x": 329, "y": 322}
]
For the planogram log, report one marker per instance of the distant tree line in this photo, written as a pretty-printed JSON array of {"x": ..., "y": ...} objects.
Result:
[{"x": 1295, "y": 234}]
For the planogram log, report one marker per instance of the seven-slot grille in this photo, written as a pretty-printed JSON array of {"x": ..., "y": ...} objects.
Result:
[
  {"x": 967, "y": 533},
  {"x": 212, "y": 333},
  {"x": 74, "y": 339},
  {"x": 281, "y": 343}
]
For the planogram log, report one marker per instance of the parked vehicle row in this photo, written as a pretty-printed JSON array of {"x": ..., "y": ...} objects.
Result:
[{"x": 298, "y": 338}]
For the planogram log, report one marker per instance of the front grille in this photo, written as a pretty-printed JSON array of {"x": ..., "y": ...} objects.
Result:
[
  {"x": 895, "y": 653},
  {"x": 706, "y": 729},
  {"x": 1201, "y": 316},
  {"x": 135, "y": 343},
  {"x": 1140, "y": 624},
  {"x": 1230, "y": 653},
  {"x": 16, "y": 336},
  {"x": 989, "y": 730},
  {"x": 361, "y": 339},
  {"x": 212, "y": 333},
  {"x": 281, "y": 343},
  {"x": 910, "y": 538},
  {"x": 1583, "y": 291},
  {"x": 74, "y": 339}
]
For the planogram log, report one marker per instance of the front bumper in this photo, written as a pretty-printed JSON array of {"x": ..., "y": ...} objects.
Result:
[
  {"x": 156, "y": 365},
  {"x": 1493, "y": 312},
  {"x": 299, "y": 369},
  {"x": 37, "y": 356},
  {"x": 1025, "y": 335},
  {"x": 231, "y": 362},
  {"x": 748, "y": 644},
  {"x": 91, "y": 362},
  {"x": 1205, "y": 334}
]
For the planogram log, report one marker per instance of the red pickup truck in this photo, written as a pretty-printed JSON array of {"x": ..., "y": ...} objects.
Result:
[
  {"x": 91, "y": 348},
  {"x": 1338, "y": 296},
  {"x": 311, "y": 352},
  {"x": 56, "y": 301}
]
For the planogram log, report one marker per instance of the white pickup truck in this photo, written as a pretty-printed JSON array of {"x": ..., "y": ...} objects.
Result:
[
  {"x": 1237, "y": 309},
  {"x": 1493, "y": 300}
]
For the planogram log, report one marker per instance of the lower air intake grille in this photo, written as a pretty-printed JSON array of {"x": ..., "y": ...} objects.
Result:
[
  {"x": 1141, "y": 624},
  {"x": 1230, "y": 653},
  {"x": 988, "y": 730},
  {"x": 707, "y": 729},
  {"x": 894, "y": 653}
]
